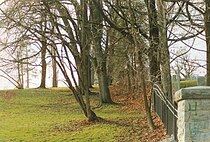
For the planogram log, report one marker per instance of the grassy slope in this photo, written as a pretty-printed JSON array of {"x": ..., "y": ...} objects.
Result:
[{"x": 52, "y": 115}]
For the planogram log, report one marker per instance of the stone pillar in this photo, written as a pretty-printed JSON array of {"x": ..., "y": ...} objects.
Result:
[{"x": 193, "y": 114}]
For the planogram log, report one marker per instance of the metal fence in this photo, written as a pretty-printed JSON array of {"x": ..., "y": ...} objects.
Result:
[{"x": 166, "y": 110}]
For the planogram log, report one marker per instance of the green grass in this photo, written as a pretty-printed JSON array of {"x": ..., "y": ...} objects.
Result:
[{"x": 53, "y": 115}]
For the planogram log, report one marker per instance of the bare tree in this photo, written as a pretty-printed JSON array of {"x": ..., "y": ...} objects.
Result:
[
  {"x": 15, "y": 64},
  {"x": 186, "y": 65}
]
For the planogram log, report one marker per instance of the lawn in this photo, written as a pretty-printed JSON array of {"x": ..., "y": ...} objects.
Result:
[{"x": 53, "y": 115}]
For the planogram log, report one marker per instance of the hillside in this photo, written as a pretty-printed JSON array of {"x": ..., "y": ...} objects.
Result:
[{"x": 37, "y": 115}]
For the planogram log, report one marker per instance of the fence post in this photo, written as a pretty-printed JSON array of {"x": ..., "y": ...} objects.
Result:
[{"x": 193, "y": 121}]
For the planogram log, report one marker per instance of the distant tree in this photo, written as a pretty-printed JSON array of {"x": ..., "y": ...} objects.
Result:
[
  {"x": 12, "y": 69},
  {"x": 16, "y": 64},
  {"x": 186, "y": 66}
]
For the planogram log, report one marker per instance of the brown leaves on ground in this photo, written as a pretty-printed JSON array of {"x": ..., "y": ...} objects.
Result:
[{"x": 140, "y": 132}]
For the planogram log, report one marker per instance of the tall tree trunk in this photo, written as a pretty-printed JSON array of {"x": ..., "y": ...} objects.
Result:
[
  {"x": 85, "y": 59},
  {"x": 110, "y": 58},
  {"x": 154, "y": 59},
  {"x": 154, "y": 41},
  {"x": 20, "y": 69},
  {"x": 164, "y": 52},
  {"x": 54, "y": 67},
  {"x": 97, "y": 29},
  {"x": 43, "y": 62},
  {"x": 102, "y": 76},
  {"x": 207, "y": 31},
  {"x": 165, "y": 63},
  {"x": 27, "y": 69},
  {"x": 43, "y": 51}
]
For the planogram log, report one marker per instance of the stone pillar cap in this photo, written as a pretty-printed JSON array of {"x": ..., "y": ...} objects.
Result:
[{"x": 197, "y": 92}]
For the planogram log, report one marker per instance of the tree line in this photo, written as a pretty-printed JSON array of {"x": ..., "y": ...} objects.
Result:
[{"x": 126, "y": 42}]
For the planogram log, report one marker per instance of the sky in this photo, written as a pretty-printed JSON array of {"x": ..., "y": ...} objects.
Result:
[{"x": 199, "y": 56}]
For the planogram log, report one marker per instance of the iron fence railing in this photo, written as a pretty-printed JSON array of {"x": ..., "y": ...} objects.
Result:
[{"x": 165, "y": 109}]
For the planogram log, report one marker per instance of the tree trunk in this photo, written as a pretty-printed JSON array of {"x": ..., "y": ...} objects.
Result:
[
  {"x": 97, "y": 29},
  {"x": 43, "y": 51},
  {"x": 22, "y": 75},
  {"x": 129, "y": 85},
  {"x": 27, "y": 69},
  {"x": 89, "y": 73},
  {"x": 164, "y": 52},
  {"x": 144, "y": 87},
  {"x": 103, "y": 78},
  {"x": 85, "y": 59},
  {"x": 92, "y": 74},
  {"x": 110, "y": 58},
  {"x": 154, "y": 41},
  {"x": 43, "y": 62},
  {"x": 146, "y": 105},
  {"x": 20, "y": 69},
  {"x": 165, "y": 62},
  {"x": 54, "y": 67},
  {"x": 103, "y": 83},
  {"x": 207, "y": 31}
]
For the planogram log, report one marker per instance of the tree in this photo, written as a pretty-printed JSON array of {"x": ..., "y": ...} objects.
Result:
[
  {"x": 43, "y": 63},
  {"x": 54, "y": 69},
  {"x": 207, "y": 33},
  {"x": 115, "y": 34},
  {"x": 186, "y": 65},
  {"x": 16, "y": 63},
  {"x": 13, "y": 70},
  {"x": 81, "y": 58},
  {"x": 85, "y": 47},
  {"x": 153, "y": 41},
  {"x": 164, "y": 49},
  {"x": 66, "y": 42},
  {"x": 100, "y": 54},
  {"x": 43, "y": 27}
]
